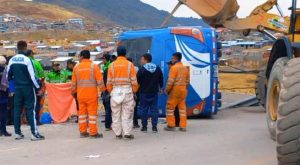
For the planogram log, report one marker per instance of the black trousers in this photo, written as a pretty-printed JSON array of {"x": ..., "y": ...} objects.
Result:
[
  {"x": 38, "y": 108},
  {"x": 107, "y": 107},
  {"x": 135, "y": 114},
  {"x": 3, "y": 117}
]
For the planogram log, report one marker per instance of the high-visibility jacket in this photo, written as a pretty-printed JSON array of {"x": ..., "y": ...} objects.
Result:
[
  {"x": 85, "y": 80},
  {"x": 179, "y": 77},
  {"x": 121, "y": 73},
  {"x": 38, "y": 68},
  {"x": 56, "y": 77},
  {"x": 68, "y": 73}
]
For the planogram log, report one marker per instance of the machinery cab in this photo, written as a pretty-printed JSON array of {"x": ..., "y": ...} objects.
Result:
[{"x": 199, "y": 48}]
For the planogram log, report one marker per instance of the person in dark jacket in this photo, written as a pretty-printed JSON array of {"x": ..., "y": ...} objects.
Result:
[
  {"x": 137, "y": 102},
  {"x": 150, "y": 79},
  {"x": 10, "y": 118},
  {"x": 3, "y": 98},
  {"x": 105, "y": 95},
  {"x": 21, "y": 70}
]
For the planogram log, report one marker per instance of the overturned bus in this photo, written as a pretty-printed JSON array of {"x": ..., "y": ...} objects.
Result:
[{"x": 199, "y": 47}]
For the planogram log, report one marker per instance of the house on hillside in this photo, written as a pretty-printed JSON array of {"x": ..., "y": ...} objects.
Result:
[
  {"x": 10, "y": 18},
  {"x": 58, "y": 26},
  {"x": 75, "y": 23}
]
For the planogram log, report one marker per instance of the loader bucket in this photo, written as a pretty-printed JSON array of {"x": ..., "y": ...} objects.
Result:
[{"x": 214, "y": 12}]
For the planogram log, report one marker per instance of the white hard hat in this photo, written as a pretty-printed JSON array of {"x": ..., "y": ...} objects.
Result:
[{"x": 2, "y": 60}]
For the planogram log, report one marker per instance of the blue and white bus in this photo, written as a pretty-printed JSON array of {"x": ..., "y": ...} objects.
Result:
[{"x": 200, "y": 54}]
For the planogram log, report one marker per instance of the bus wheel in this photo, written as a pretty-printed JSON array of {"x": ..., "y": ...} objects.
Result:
[
  {"x": 288, "y": 124},
  {"x": 273, "y": 93}
]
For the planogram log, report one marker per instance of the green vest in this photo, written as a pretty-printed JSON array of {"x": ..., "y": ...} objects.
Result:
[
  {"x": 68, "y": 73},
  {"x": 38, "y": 68},
  {"x": 105, "y": 67},
  {"x": 54, "y": 77}
]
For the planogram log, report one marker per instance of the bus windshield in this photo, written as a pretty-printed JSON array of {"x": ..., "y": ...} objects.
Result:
[{"x": 137, "y": 47}]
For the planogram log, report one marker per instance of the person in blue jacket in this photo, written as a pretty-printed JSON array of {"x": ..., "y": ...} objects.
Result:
[
  {"x": 150, "y": 79},
  {"x": 20, "y": 69}
]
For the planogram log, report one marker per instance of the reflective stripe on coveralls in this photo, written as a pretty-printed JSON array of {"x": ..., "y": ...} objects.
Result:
[
  {"x": 121, "y": 83},
  {"x": 121, "y": 72},
  {"x": 84, "y": 83},
  {"x": 177, "y": 88},
  {"x": 86, "y": 79},
  {"x": 120, "y": 80}
]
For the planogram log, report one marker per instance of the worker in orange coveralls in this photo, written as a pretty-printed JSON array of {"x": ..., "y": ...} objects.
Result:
[
  {"x": 122, "y": 86},
  {"x": 177, "y": 89},
  {"x": 85, "y": 80}
]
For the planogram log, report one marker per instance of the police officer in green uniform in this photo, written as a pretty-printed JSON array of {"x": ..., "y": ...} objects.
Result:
[
  {"x": 69, "y": 70},
  {"x": 39, "y": 73},
  {"x": 38, "y": 68},
  {"x": 56, "y": 75}
]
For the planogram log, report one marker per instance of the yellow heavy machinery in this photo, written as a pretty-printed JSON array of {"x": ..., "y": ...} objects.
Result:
[{"x": 279, "y": 89}]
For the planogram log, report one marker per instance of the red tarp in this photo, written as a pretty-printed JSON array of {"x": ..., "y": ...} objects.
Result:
[{"x": 61, "y": 103}]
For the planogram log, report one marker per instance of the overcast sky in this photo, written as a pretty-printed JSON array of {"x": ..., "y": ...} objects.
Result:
[{"x": 246, "y": 6}]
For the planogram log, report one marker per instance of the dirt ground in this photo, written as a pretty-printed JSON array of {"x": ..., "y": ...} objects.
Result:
[
  {"x": 232, "y": 137},
  {"x": 237, "y": 83}
]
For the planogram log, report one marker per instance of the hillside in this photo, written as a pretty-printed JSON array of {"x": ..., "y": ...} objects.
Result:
[
  {"x": 72, "y": 35},
  {"x": 35, "y": 10},
  {"x": 129, "y": 13}
]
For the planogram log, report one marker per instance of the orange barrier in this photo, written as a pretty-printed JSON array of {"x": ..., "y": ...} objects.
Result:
[{"x": 61, "y": 103}]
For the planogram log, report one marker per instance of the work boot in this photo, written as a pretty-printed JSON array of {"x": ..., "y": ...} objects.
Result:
[
  {"x": 167, "y": 128},
  {"x": 97, "y": 136},
  {"x": 19, "y": 136},
  {"x": 136, "y": 126},
  {"x": 39, "y": 123},
  {"x": 37, "y": 137},
  {"x": 154, "y": 129},
  {"x": 84, "y": 135},
  {"x": 129, "y": 137},
  {"x": 182, "y": 129},
  {"x": 6, "y": 134},
  {"x": 108, "y": 129},
  {"x": 119, "y": 136},
  {"x": 144, "y": 129}
]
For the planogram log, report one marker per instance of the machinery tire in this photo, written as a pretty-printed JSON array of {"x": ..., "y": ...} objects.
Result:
[
  {"x": 288, "y": 121},
  {"x": 261, "y": 87},
  {"x": 274, "y": 84}
]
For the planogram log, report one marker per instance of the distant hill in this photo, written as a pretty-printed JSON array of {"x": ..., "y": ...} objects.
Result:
[
  {"x": 35, "y": 10},
  {"x": 129, "y": 13}
]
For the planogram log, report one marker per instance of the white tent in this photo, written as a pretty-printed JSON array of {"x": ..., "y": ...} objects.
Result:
[
  {"x": 10, "y": 47},
  {"x": 96, "y": 62},
  {"x": 41, "y": 46},
  {"x": 61, "y": 59},
  {"x": 55, "y": 47}
]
